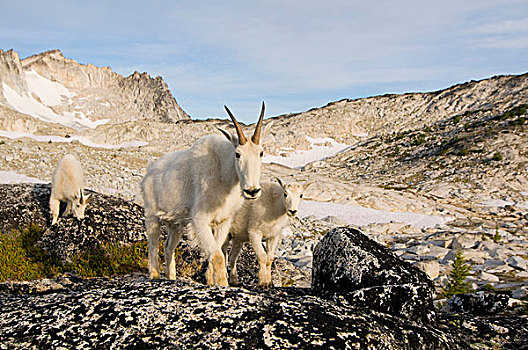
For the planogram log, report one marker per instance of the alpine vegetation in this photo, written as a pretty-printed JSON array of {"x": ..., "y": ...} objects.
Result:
[
  {"x": 67, "y": 183},
  {"x": 264, "y": 218},
  {"x": 200, "y": 189}
]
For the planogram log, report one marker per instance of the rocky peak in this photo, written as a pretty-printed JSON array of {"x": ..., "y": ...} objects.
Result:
[
  {"x": 88, "y": 94},
  {"x": 11, "y": 72}
]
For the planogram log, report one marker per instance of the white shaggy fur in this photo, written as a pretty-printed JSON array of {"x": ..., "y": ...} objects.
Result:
[
  {"x": 264, "y": 218},
  {"x": 67, "y": 183},
  {"x": 200, "y": 189}
]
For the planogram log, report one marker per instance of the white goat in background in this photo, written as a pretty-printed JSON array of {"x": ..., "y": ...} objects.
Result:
[
  {"x": 67, "y": 183},
  {"x": 264, "y": 218},
  {"x": 200, "y": 189}
]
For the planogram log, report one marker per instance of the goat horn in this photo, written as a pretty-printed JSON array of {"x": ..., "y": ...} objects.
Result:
[
  {"x": 241, "y": 138},
  {"x": 256, "y": 135}
]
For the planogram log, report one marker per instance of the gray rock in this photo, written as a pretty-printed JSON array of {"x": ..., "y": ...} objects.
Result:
[
  {"x": 480, "y": 303},
  {"x": 348, "y": 263},
  {"x": 488, "y": 277},
  {"x": 142, "y": 313},
  {"x": 431, "y": 268},
  {"x": 519, "y": 293},
  {"x": 517, "y": 262}
]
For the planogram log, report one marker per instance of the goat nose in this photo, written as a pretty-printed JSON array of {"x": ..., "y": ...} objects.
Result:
[
  {"x": 253, "y": 192},
  {"x": 292, "y": 212}
]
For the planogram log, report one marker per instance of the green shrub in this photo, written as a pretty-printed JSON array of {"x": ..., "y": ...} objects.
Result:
[
  {"x": 456, "y": 119},
  {"x": 514, "y": 112},
  {"x": 463, "y": 152},
  {"x": 497, "y": 156},
  {"x": 489, "y": 287},
  {"x": 456, "y": 283},
  {"x": 110, "y": 259},
  {"x": 22, "y": 259},
  {"x": 419, "y": 139},
  {"x": 497, "y": 236}
]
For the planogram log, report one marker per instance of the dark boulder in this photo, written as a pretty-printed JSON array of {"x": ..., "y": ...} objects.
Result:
[
  {"x": 480, "y": 303},
  {"x": 107, "y": 219},
  {"x": 132, "y": 312},
  {"x": 349, "y": 264}
]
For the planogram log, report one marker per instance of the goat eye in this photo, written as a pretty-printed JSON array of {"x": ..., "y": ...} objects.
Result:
[
  {"x": 237, "y": 155},
  {"x": 301, "y": 195},
  {"x": 285, "y": 195},
  {"x": 261, "y": 154}
]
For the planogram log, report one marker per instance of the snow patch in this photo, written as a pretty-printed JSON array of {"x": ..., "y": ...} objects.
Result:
[
  {"x": 11, "y": 177},
  {"x": 360, "y": 216},
  {"x": 496, "y": 203},
  {"x": 49, "y": 92},
  {"x": 43, "y": 95},
  {"x": 83, "y": 140},
  {"x": 299, "y": 159}
]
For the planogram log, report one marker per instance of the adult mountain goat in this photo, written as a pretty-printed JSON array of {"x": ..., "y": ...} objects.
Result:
[
  {"x": 200, "y": 189},
  {"x": 67, "y": 184},
  {"x": 264, "y": 218}
]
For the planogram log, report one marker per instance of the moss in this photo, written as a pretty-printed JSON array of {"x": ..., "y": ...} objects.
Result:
[
  {"x": 110, "y": 259},
  {"x": 489, "y": 287},
  {"x": 22, "y": 259}
]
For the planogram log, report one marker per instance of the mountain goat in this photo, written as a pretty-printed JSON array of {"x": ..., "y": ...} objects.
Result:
[
  {"x": 67, "y": 183},
  {"x": 264, "y": 218},
  {"x": 200, "y": 189}
]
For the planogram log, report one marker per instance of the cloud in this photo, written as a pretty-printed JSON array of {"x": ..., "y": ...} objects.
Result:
[{"x": 294, "y": 54}]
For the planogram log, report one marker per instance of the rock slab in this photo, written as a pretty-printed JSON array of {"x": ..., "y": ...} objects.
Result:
[{"x": 348, "y": 263}]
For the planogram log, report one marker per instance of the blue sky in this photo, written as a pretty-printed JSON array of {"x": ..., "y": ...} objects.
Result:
[{"x": 295, "y": 55}]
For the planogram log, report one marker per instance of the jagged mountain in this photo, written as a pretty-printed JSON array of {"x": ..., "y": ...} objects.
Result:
[{"x": 54, "y": 89}]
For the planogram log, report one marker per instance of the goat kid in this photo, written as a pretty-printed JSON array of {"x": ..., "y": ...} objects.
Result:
[
  {"x": 264, "y": 218},
  {"x": 67, "y": 183}
]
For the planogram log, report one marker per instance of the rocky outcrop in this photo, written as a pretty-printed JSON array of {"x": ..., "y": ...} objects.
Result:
[
  {"x": 141, "y": 313},
  {"x": 11, "y": 73},
  {"x": 96, "y": 93},
  {"x": 347, "y": 263},
  {"x": 480, "y": 303},
  {"x": 352, "y": 304},
  {"x": 108, "y": 219}
]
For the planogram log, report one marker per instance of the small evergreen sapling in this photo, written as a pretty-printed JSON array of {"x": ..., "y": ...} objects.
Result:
[{"x": 456, "y": 283}]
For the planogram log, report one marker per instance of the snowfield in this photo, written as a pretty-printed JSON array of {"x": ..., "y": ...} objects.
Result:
[
  {"x": 361, "y": 216},
  {"x": 81, "y": 139},
  {"x": 45, "y": 94},
  {"x": 299, "y": 159},
  {"x": 12, "y": 177}
]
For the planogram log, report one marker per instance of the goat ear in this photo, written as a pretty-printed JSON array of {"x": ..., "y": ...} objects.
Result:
[
  {"x": 229, "y": 136},
  {"x": 266, "y": 128},
  {"x": 279, "y": 181}
]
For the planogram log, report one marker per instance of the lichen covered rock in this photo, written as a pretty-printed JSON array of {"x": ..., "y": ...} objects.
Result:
[
  {"x": 480, "y": 303},
  {"x": 141, "y": 313},
  {"x": 348, "y": 263},
  {"x": 108, "y": 219}
]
